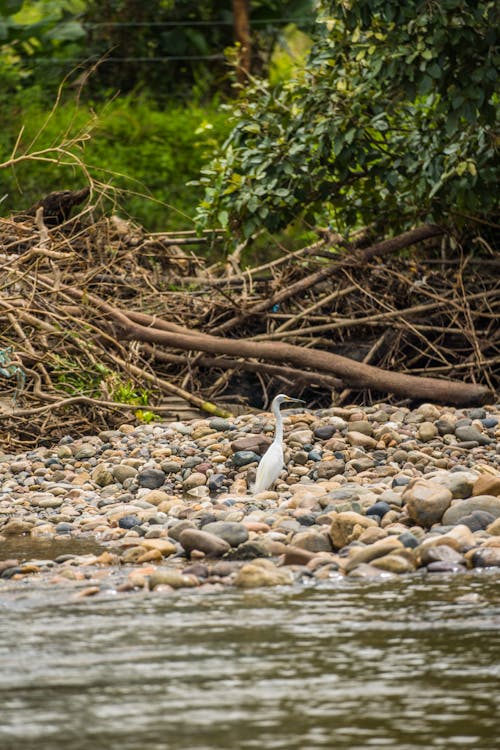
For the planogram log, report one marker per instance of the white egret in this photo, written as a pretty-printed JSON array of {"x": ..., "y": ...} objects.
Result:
[{"x": 272, "y": 461}]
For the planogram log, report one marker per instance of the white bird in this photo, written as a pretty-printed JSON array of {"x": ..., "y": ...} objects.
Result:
[{"x": 272, "y": 461}]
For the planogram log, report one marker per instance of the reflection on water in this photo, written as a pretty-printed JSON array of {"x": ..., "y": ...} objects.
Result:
[{"x": 399, "y": 664}]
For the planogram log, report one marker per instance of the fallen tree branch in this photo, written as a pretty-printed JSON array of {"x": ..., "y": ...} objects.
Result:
[
  {"x": 355, "y": 374},
  {"x": 377, "y": 250}
]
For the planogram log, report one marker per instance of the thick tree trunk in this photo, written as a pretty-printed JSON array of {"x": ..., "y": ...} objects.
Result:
[{"x": 241, "y": 16}]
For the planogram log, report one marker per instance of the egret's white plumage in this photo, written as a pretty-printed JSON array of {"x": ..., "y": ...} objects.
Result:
[{"x": 272, "y": 461}]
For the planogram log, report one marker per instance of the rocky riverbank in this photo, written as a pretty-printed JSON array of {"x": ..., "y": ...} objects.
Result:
[{"x": 377, "y": 491}]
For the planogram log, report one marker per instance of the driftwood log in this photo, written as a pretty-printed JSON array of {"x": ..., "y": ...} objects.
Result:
[{"x": 354, "y": 375}]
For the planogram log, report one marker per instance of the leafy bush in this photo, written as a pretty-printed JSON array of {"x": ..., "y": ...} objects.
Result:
[{"x": 390, "y": 121}]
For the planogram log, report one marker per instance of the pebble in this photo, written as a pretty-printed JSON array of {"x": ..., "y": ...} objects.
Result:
[{"x": 367, "y": 492}]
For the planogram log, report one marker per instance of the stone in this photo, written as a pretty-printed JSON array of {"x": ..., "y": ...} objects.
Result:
[
  {"x": 368, "y": 571},
  {"x": 360, "y": 425},
  {"x": 426, "y": 502},
  {"x": 460, "y": 484},
  {"x": 487, "y": 484},
  {"x": 215, "y": 482},
  {"x": 446, "y": 424},
  {"x": 378, "y": 509},
  {"x": 170, "y": 467},
  {"x": 16, "y": 526},
  {"x": 164, "y": 546},
  {"x": 441, "y": 566},
  {"x": 325, "y": 432},
  {"x": 363, "y": 463},
  {"x": 102, "y": 476},
  {"x": 46, "y": 500},
  {"x": 300, "y": 437},
  {"x": 128, "y": 522},
  {"x": 312, "y": 541},
  {"x": 408, "y": 540},
  {"x": 210, "y": 544},
  {"x": 329, "y": 469},
  {"x": 151, "y": 478},
  {"x": 394, "y": 563},
  {"x": 427, "y": 431},
  {"x": 441, "y": 553},
  {"x": 478, "y": 520},
  {"x": 469, "y": 433},
  {"x": 253, "y": 549},
  {"x": 219, "y": 424},
  {"x": 360, "y": 440},
  {"x": 429, "y": 411},
  {"x": 121, "y": 472},
  {"x": 255, "y": 443},
  {"x": 486, "y": 557},
  {"x": 196, "y": 479},
  {"x": 368, "y": 554},
  {"x": 494, "y": 527},
  {"x": 87, "y": 450},
  {"x": 171, "y": 577},
  {"x": 232, "y": 532},
  {"x": 243, "y": 458},
  {"x": 262, "y": 572},
  {"x": 462, "y": 508},
  {"x": 348, "y": 526},
  {"x": 372, "y": 534},
  {"x": 156, "y": 497},
  {"x": 297, "y": 556}
]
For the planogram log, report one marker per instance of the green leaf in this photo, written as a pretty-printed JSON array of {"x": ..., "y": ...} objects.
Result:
[{"x": 223, "y": 217}]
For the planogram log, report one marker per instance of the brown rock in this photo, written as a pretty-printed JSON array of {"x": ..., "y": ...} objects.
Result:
[
  {"x": 312, "y": 541},
  {"x": 262, "y": 572},
  {"x": 171, "y": 577},
  {"x": 361, "y": 440},
  {"x": 16, "y": 526},
  {"x": 440, "y": 553},
  {"x": 426, "y": 502},
  {"x": 487, "y": 484},
  {"x": 348, "y": 526},
  {"x": 494, "y": 527},
  {"x": 211, "y": 545},
  {"x": 297, "y": 556},
  {"x": 486, "y": 557},
  {"x": 368, "y": 554},
  {"x": 395, "y": 563},
  {"x": 366, "y": 570},
  {"x": 165, "y": 546},
  {"x": 257, "y": 443},
  {"x": 373, "y": 534}
]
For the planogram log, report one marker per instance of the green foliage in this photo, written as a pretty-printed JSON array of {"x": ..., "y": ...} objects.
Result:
[
  {"x": 391, "y": 121},
  {"x": 75, "y": 380},
  {"x": 136, "y": 147},
  {"x": 34, "y": 36},
  {"x": 98, "y": 381}
]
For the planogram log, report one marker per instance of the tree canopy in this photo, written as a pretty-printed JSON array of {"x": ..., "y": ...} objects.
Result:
[{"x": 390, "y": 121}]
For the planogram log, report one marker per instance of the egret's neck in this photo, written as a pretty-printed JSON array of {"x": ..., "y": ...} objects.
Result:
[{"x": 278, "y": 434}]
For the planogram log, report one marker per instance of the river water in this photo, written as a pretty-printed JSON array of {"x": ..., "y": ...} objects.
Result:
[{"x": 404, "y": 663}]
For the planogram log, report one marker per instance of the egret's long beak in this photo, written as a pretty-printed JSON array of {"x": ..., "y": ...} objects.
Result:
[{"x": 296, "y": 400}]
